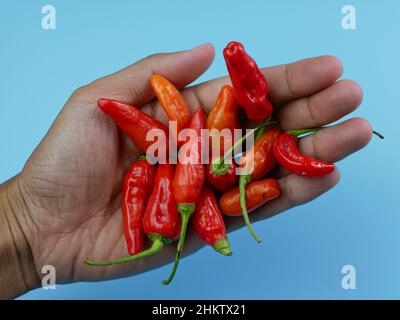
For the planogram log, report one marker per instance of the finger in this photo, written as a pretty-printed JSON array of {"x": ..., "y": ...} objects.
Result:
[
  {"x": 330, "y": 144},
  {"x": 334, "y": 143},
  {"x": 295, "y": 190},
  {"x": 337, "y": 142},
  {"x": 132, "y": 84},
  {"x": 286, "y": 82},
  {"x": 321, "y": 108}
]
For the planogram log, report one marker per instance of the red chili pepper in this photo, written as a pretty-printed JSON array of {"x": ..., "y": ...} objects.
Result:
[
  {"x": 289, "y": 156},
  {"x": 257, "y": 193},
  {"x": 161, "y": 221},
  {"x": 133, "y": 122},
  {"x": 222, "y": 182},
  {"x": 250, "y": 85},
  {"x": 136, "y": 189},
  {"x": 162, "y": 218},
  {"x": 188, "y": 180},
  {"x": 208, "y": 222},
  {"x": 172, "y": 102},
  {"x": 260, "y": 161}
]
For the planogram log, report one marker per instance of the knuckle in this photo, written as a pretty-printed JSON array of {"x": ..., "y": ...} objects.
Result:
[{"x": 80, "y": 92}]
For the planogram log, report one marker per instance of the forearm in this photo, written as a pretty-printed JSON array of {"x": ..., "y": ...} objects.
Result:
[{"x": 17, "y": 271}]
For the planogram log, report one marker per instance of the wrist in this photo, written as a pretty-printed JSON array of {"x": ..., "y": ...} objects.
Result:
[{"x": 17, "y": 269}]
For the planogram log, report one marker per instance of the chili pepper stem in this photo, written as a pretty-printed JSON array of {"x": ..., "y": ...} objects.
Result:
[
  {"x": 156, "y": 247},
  {"x": 378, "y": 134},
  {"x": 220, "y": 166},
  {"x": 243, "y": 180},
  {"x": 260, "y": 133},
  {"x": 222, "y": 246},
  {"x": 299, "y": 132},
  {"x": 186, "y": 210}
]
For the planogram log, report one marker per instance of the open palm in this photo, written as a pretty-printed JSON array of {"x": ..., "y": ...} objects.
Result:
[{"x": 72, "y": 183}]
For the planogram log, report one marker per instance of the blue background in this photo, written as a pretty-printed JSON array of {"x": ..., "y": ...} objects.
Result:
[{"x": 305, "y": 248}]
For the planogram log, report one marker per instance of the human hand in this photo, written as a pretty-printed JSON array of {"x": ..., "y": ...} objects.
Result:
[{"x": 69, "y": 193}]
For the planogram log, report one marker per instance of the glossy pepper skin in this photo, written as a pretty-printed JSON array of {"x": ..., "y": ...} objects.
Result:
[
  {"x": 261, "y": 154},
  {"x": 161, "y": 221},
  {"x": 171, "y": 101},
  {"x": 208, "y": 222},
  {"x": 188, "y": 180},
  {"x": 289, "y": 156},
  {"x": 250, "y": 85},
  {"x": 257, "y": 193},
  {"x": 136, "y": 189},
  {"x": 222, "y": 182},
  {"x": 260, "y": 160},
  {"x": 223, "y": 115},
  {"x": 189, "y": 175},
  {"x": 133, "y": 122},
  {"x": 162, "y": 217},
  {"x": 221, "y": 172}
]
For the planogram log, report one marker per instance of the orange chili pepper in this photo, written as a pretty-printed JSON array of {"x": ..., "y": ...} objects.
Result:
[
  {"x": 224, "y": 115},
  {"x": 171, "y": 101},
  {"x": 257, "y": 193},
  {"x": 261, "y": 154}
]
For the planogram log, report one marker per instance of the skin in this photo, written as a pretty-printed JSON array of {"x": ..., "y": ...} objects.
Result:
[{"x": 65, "y": 204}]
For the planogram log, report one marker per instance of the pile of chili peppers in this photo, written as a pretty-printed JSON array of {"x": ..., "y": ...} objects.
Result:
[{"x": 159, "y": 200}]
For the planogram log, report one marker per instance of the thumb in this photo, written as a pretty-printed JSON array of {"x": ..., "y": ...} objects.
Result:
[{"x": 132, "y": 84}]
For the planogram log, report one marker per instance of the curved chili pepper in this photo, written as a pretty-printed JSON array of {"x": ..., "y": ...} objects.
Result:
[
  {"x": 161, "y": 220},
  {"x": 136, "y": 189},
  {"x": 208, "y": 222},
  {"x": 261, "y": 160},
  {"x": 223, "y": 115},
  {"x": 188, "y": 181},
  {"x": 133, "y": 122},
  {"x": 171, "y": 101},
  {"x": 257, "y": 193},
  {"x": 250, "y": 85},
  {"x": 288, "y": 155}
]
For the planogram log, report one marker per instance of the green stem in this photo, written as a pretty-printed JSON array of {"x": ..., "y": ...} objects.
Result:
[
  {"x": 220, "y": 166},
  {"x": 142, "y": 157},
  {"x": 380, "y": 135},
  {"x": 186, "y": 210},
  {"x": 299, "y": 132},
  {"x": 243, "y": 180},
  {"x": 222, "y": 246},
  {"x": 260, "y": 133},
  {"x": 156, "y": 247}
]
